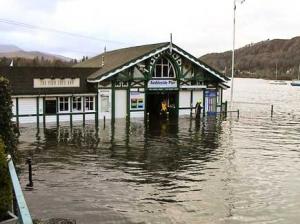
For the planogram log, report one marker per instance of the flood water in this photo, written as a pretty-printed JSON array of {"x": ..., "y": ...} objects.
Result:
[{"x": 244, "y": 170}]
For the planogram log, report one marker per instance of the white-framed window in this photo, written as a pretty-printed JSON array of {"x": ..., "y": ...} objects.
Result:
[
  {"x": 77, "y": 103},
  {"x": 164, "y": 69},
  {"x": 89, "y": 103},
  {"x": 63, "y": 104}
]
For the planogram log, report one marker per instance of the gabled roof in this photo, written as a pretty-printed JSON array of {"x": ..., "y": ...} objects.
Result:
[{"x": 119, "y": 60}]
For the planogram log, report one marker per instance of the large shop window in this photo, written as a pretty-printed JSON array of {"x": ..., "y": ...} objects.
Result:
[
  {"x": 164, "y": 69},
  {"x": 89, "y": 103},
  {"x": 63, "y": 104},
  {"x": 77, "y": 104}
]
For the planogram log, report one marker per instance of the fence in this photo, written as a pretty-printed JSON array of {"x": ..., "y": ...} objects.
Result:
[{"x": 22, "y": 209}]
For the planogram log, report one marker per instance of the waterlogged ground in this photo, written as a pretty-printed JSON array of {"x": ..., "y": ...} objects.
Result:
[{"x": 243, "y": 170}]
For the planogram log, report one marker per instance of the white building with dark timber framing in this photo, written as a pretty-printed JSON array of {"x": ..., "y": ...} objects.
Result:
[{"x": 125, "y": 83}]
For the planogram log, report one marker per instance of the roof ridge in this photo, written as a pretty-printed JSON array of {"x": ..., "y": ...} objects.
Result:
[{"x": 142, "y": 45}]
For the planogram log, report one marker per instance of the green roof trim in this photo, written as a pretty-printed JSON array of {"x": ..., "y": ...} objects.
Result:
[{"x": 113, "y": 62}]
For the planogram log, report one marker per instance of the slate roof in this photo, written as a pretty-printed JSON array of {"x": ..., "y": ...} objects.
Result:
[
  {"x": 117, "y": 58},
  {"x": 21, "y": 79},
  {"x": 121, "y": 57}
]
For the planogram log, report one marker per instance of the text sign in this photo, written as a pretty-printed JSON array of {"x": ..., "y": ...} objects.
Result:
[
  {"x": 56, "y": 83},
  {"x": 162, "y": 83}
]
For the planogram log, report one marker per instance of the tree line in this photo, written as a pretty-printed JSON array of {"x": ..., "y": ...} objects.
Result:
[{"x": 39, "y": 61}]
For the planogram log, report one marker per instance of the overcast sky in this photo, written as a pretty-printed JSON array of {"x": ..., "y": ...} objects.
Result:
[{"x": 198, "y": 26}]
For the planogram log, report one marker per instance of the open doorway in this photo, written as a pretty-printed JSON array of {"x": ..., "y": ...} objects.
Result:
[
  {"x": 154, "y": 101},
  {"x": 50, "y": 106}
]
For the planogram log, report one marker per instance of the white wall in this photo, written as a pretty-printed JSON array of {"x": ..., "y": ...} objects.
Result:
[
  {"x": 197, "y": 95},
  {"x": 27, "y": 106},
  {"x": 120, "y": 103},
  {"x": 137, "y": 114},
  {"x": 184, "y": 101}
]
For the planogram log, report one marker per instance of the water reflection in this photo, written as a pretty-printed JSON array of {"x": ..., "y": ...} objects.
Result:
[
  {"x": 161, "y": 160},
  {"x": 172, "y": 171}
]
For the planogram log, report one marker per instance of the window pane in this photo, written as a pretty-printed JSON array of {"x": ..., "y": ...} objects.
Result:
[
  {"x": 171, "y": 73},
  {"x": 165, "y": 70},
  {"x": 158, "y": 71}
]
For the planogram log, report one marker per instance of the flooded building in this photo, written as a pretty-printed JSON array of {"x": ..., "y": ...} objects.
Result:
[{"x": 126, "y": 83}]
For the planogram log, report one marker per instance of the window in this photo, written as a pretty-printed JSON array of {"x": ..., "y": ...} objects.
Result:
[
  {"x": 76, "y": 104},
  {"x": 164, "y": 69},
  {"x": 89, "y": 103},
  {"x": 63, "y": 104}
]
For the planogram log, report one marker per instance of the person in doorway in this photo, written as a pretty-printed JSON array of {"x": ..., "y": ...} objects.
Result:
[
  {"x": 164, "y": 107},
  {"x": 198, "y": 108}
]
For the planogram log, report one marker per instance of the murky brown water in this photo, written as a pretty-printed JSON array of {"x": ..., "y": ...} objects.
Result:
[{"x": 220, "y": 171}]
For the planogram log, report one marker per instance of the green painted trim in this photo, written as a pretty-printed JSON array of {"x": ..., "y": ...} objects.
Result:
[
  {"x": 113, "y": 102},
  {"x": 191, "y": 101},
  {"x": 83, "y": 110},
  {"x": 204, "y": 103},
  {"x": 128, "y": 102},
  {"x": 97, "y": 110},
  {"x": 178, "y": 71},
  {"x": 52, "y": 115},
  {"x": 17, "y": 111},
  {"x": 37, "y": 112},
  {"x": 137, "y": 110},
  {"x": 44, "y": 115},
  {"x": 71, "y": 110},
  {"x": 133, "y": 60},
  {"x": 145, "y": 100},
  {"x": 57, "y": 116},
  {"x": 185, "y": 74}
]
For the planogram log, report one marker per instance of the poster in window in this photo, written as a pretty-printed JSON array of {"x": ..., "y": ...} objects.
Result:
[{"x": 137, "y": 101}]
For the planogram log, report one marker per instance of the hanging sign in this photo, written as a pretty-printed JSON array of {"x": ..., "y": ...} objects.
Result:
[{"x": 162, "y": 84}]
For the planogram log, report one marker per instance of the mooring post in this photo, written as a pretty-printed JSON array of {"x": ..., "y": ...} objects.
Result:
[
  {"x": 226, "y": 109},
  {"x": 272, "y": 110},
  {"x": 104, "y": 122},
  {"x": 238, "y": 113},
  {"x": 29, "y": 162}
]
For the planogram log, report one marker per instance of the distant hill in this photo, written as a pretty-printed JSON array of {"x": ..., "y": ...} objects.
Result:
[
  {"x": 9, "y": 53},
  {"x": 259, "y": 60},
  {"x": 12, "y": 51},
  {"x": 8, "y": 48}
]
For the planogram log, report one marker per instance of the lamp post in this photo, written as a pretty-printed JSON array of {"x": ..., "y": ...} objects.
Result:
[
  {"x": 232, "y": 60},
  {"x": 233, "y": 55}
]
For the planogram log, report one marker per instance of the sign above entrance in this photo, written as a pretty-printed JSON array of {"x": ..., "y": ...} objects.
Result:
[
  {"x": 56, "y": 83},
  {"x": 162, "y": 84}
]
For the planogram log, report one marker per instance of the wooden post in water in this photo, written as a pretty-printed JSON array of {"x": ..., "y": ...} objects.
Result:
[
  {"x": 272, "y": 110},
  {"x": 238, "y": 113},
  {"x": 104, "y": 122}
]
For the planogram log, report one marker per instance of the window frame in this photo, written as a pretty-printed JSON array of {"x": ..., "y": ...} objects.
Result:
[
  {"x": 162, "y": 64},
  {"x": 88, "y": 102},
  {"x": 62, "y": 101},
  {"x": 76, "y": 103}
]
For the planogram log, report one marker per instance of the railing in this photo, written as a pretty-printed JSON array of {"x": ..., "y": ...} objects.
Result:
[{"x": 23, "y": 212}]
